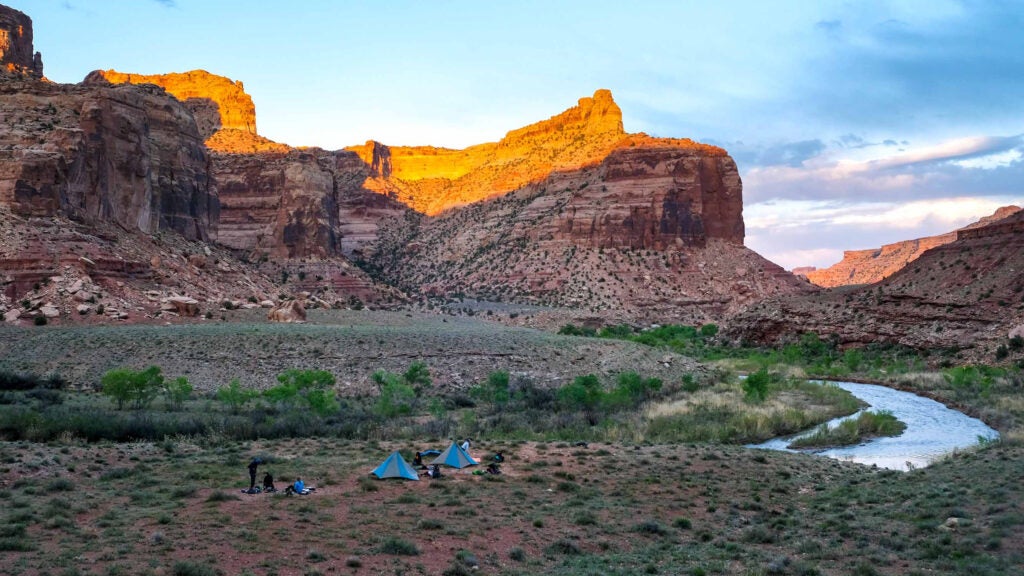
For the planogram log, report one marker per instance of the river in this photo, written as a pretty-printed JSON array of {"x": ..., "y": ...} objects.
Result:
[{"x": 933, "y": 430}]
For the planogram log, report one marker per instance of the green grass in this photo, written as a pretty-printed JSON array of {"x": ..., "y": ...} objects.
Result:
[{"x": 867, "y": 425}]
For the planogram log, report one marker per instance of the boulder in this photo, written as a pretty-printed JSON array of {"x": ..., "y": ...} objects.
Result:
[
  {"x": 83, "y": 309},
  {"x": 12, "y": 315},
  {"x": 291, "y": 311},
  {"x": 184, "y": 305},
  {"x": 50, "y": 311}
]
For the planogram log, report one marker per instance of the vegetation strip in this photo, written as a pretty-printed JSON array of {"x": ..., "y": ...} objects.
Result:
[{"x": 854, "y": 431}]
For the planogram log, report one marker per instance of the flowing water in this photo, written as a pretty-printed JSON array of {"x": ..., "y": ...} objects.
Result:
[{"x": 933, "y": 430}]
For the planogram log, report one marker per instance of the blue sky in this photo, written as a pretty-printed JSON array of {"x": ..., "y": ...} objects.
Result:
[{"x": 854, "y": 124}]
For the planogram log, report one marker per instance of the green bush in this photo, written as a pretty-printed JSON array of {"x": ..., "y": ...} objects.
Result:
[
  {"x": 399, "y": 547},
  {"x": 396, "y": 397},
  {"x": 311, "y": 388},
  {"x": 177, "y": 391},
  {"x": 139, "y": 389},
  {"x": 755, "y": 386},
  {"x": 234, "y": 396}
]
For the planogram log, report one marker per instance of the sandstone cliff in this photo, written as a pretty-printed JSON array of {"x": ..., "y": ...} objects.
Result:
[
  {"x": 16, "y": 55},
  {"x": 869, "y": 266},
  {"x": 965, "y": 294},
  {"x": 631, "y": 227},
  {"x": 669, "y": 210},
  {"x": 127, "y": 154},
  {"x": 224, "y": 112}
]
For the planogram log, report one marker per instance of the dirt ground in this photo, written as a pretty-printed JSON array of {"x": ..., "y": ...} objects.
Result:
[{"x": 176, "y": 507}]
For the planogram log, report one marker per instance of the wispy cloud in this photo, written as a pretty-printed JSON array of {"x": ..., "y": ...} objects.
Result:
[
  {"x": 809, "y": 232},
  {"x": 167, "y": 3},
  {"x": 982, "y": 165}
]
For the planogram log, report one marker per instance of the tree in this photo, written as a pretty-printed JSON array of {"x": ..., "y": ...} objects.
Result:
[
  {"x": 139, "y": 389},
  {"x": 177, "y": 391},
  {"x": 631, "y": 390},
  {"x": 310, "y": 387},
  {"x": 396, "y": 397},
  {"x": 418, "y": 376},
  {"x": 235, "y": 396},
  {"x": 495, "y": 390}
]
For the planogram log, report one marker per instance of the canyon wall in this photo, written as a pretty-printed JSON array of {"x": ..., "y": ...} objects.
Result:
[
  {"x": 126, "y": 154},
  {"x": 961, "y": 299},
  {"x": 16, "y": 55},
  {"x": 870, "y": 266}
]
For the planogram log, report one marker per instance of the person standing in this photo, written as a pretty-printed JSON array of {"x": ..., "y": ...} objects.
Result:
[{"x": 252, "y": 472}]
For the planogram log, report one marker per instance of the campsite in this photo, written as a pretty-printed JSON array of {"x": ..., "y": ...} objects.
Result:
[{"x": 175, "y": 507}]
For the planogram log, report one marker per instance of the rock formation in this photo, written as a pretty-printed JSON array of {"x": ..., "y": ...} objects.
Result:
[
  {"x": 968, "y": 293},
  {"x": 869, "y": 266},
  {"x": 16, "y": 55},
  {"x": 573, "y": 212},
  {"x": 576, "y": 181},
  {"x": 224, "y": 112},
  {"x": 291, "y": 311},
  {"x": 126, "y": 154}
]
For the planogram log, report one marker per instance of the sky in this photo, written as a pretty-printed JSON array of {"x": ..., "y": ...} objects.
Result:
[{"x": 853, "y": 123}]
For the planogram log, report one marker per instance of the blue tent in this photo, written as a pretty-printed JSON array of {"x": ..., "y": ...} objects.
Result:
[
  {"x": 455, "y": 457},
  {"x": 395, "y": 466}
]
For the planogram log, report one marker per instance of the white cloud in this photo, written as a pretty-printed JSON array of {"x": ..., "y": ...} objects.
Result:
[{"x": 815, "y": 233}]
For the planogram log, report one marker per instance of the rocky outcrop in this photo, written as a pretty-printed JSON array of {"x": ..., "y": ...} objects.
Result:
[
  {"x": 291, "y": 311},
  {"x": 574, "y": 182},
  {"x": 869, "y": 266},
  {"x": 16, "y": 55},
  {"x": 127, "y": 154},
  {"x": 224, "y": 112},
  {"x": 215, "y": 101},
  {"x": 654, "y": 230},
  {"x": 301, "y": 204},
  {"x": 964, "y": 297}
]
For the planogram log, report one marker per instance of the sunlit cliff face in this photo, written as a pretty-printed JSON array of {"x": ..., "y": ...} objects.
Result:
[{"x": 442, "y": 178}]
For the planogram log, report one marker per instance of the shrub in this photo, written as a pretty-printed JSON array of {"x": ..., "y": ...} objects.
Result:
[
  {"x": 399, "y": 547},
  {"x": 396, "y": 397},
  {"x": 564, "y": 546},
  {"x": 682, "y": 523},
  {"x": 1017, "y": 342},
  {"x": 234, "y": 396},
  {"x": 650, "y": 527},
  {"x": 708, "y": 330},
  {"x": 185, "y": 568},
  {"x": 39, "y": 320},
  {"x": 312, "y": 388},
  {"x": 60, "y": 485},
  {"x": 177, "y": 391},
  {"x": 755, "y": 386}
]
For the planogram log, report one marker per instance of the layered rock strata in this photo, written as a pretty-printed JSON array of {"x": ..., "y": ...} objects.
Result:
[
  {"x": 968, "y": 293},
  {"x": 869, "y": 266},
  {"x": 223, "y": 111},
  {"x": 16, "y": 54}
]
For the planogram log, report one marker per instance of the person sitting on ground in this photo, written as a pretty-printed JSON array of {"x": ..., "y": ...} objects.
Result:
[
  {"x": 465, "y": 444},
  {"x": 493, "y": 468},
  {"x": 268, "y": 483},
  {"x": 417, "y": 460},
  {"x": 434, "y": 471},
  {"x": 297, "y": 487}
]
